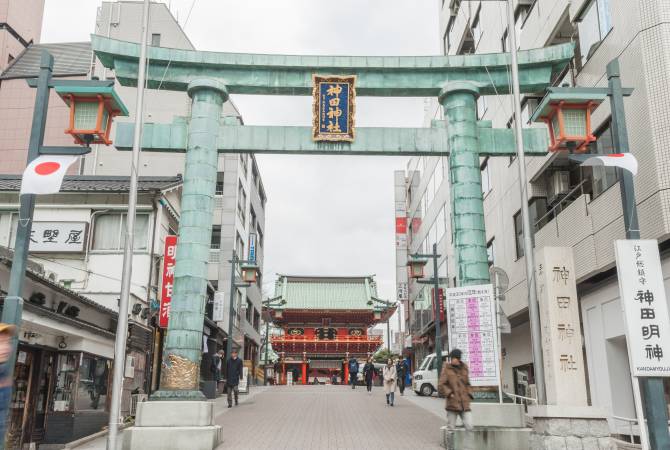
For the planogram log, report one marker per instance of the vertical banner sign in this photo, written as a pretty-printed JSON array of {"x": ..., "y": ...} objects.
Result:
[
  {"x": 645, "y": 307},
  {"x": 218, "y": 309},
  {"x": 472, "y": 329},
  {"x": 252, "y": 247},
  {"x": 333, "y": 108},
  {"x": 564, "y": 370},
  {"x": 169, "y": 259},
  {"x": 440, "y": 303}
]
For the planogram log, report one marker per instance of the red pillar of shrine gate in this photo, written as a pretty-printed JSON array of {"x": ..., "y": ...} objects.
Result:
[
  {"x": 283, "y": 373},
  {"x": 345, "y": 380},
  {"x": 304, "y": 373}
]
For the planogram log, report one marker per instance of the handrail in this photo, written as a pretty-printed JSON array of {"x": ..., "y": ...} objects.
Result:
[
  {"x": 630, "y": 422},
  {"x": 560, "y": 202},
  {"x": 534, "y": 400}
]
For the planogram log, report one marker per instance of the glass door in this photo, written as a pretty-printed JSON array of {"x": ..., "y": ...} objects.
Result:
[
  {"x": 43, "y": 392},
  {"x": 21, "y": 392}
]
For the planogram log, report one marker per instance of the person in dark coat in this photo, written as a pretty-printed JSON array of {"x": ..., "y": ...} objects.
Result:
[
  {"x": 234, "y": 372},
  {"x": 353, "y": 372},
  {"x": 454, "y": 385},
  {"x": 368, "y": 373},
  {"x": 401, "y": 372}
]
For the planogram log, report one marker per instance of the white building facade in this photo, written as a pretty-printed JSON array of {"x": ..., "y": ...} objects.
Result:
[{"x": 570, "y": 206}]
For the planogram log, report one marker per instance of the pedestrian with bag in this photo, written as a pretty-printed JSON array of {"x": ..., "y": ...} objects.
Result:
[
  {"x": 454, "y": 385},
  {"x": 368, "y": 374},
  {"x": 234, "y": 372},
  {"x": 401, "y": 370},
  {"x": 390, "y": 375},
  {"x": 353, "y": 372}
]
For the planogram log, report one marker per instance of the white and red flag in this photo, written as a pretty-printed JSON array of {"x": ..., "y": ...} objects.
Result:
[
  {"x": 44, "y": 174},
  {"x": 624, "y": 160}
]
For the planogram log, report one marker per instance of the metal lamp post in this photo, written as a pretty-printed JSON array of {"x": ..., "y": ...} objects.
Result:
[
  {"x": 13, "y": 304},
  {"x": 388, "y": 325},
  {"x": 234, "y": 284},
  {"x": 268, "y": 303},
  {"x": 435, "y": 281}
]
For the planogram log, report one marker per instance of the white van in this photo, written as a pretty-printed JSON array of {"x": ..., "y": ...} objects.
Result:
[{"x": 424, "y": 379}]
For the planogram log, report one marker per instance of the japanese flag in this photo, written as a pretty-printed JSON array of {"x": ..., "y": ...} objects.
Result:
[
  {"x": 44, "y": 175},
  {"x": 624, "y": 160}
]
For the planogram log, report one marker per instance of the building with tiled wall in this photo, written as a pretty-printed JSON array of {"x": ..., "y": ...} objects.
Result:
[
  {"x": 569, "y": 205},
  {"x": 20, "y": 26}
]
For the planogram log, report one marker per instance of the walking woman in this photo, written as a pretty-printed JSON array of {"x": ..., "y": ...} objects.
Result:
[
  {"x": 390, "y": 376},
  {"x": 368, "y": 373}
]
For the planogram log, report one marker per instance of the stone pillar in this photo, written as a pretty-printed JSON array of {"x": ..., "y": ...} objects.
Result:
[
  {"x": 183, "y": 346},
  {"x": 467, "y": 204},
  {"x": 569, "y": 427},
  {"x": 565, "y": 375}
]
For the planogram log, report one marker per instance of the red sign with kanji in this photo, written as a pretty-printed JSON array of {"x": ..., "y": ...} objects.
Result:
[
  {"x": 169, "y": 260},
  {"x": 401, "y": 225},
  {"x": 441, "y": 302}
]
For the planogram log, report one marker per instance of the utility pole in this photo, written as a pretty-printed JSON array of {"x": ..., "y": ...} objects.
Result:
[
  {"x": 655, "y": 434},
  {"x": 436, "y": 300},
  {"x": 126, "y": 273},
  {"x": 533, "y": 305},
  {"x": 231, "y": 307}
]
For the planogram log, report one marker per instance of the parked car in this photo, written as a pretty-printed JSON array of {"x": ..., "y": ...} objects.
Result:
[{"x": 424, "y": 381}]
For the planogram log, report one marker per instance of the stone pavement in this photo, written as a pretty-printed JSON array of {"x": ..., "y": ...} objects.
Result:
[{"x": 329, "y": 417}]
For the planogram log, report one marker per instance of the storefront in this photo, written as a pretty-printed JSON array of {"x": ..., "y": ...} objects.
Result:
[{"x": 63, "y": 365}]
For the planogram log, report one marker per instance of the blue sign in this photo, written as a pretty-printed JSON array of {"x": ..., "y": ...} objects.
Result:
[
  {"x": 333, "y": 110},
  {"x": 252, "y": 247}
]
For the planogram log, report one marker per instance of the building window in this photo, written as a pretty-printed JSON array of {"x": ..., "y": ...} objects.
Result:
[
  {"x": 490, "y": 252},
  {"x": 528, "y": 107},
  {"x": 260, "y": 237},
  {"x": 219, "y": 184},
  {"x": 476, "y": 28},
  {"x": 215, "y": 243},
  {"x": 593, "y": 25},
  {"x": 155, "y": 40},
  {"x": 244, "y": 159},
  {"x": 257, "y": 320},
  {"x": 482, "y": 106},
  {"x": 241, "y": 203},
  {"x": 250, "y": 311},
  {"x": 252, "y": 219},
  {"x": 92, "y": 385},
  {"x": 261, "y": 194},
  {"x": 603, "y": 177},
  {"x": 518, "y": 234},
  {"x": 486, "y": 176},
  {"x": 109, "y": 232},
  {"x": 254, "y": 172},
  {"x": 240, "y": 247}
]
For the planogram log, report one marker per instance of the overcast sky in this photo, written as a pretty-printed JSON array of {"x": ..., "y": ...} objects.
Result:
[{"x": 325, "y": 215}]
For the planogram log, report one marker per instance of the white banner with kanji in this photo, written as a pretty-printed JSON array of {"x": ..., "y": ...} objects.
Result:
[{"x": 645, "y": 307}]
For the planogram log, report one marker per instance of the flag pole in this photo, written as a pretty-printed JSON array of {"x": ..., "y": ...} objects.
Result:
[{"x": 122, "y": 324}]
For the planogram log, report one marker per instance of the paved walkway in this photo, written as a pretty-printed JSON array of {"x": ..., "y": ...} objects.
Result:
[{"x": 329, "y": 417}]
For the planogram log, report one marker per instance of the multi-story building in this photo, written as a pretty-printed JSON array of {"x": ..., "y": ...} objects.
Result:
[
  {"x": 570, "y": 206},
  {"x": 239, "y": 214},
  {"x": 20, "y": 26}
]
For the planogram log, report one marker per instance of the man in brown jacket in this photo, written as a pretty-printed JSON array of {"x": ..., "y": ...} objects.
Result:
[{"x": 454, "y": 385}]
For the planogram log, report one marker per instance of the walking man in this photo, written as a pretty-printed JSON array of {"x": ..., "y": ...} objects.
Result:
[
  {"x": 353, "y": 372},
  {"x": 368, "y": 374},
  {"x": 454, "y": 385},
  {"x": 233, "y": 376}
]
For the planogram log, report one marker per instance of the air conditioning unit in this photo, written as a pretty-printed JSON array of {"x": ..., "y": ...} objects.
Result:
[
  {"x": 129, "y": 370},
  {"x": 558, "y": 185}
]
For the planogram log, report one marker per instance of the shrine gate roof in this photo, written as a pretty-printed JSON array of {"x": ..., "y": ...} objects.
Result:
[{"x": 327, "y": 293}]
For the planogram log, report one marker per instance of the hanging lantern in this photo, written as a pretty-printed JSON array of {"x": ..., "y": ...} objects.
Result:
[
  {"x": 92, "y": 110},
  {"x": 249, "y": 272},
  {"x": 567, "y": 113},
  {"x": 416, "y": 267}
]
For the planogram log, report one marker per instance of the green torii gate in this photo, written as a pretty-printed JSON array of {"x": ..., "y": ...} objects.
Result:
[{"x": 210, "y": 77}]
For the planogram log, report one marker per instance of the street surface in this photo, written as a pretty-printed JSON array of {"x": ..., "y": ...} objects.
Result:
[{"x": 331, "y": 417}]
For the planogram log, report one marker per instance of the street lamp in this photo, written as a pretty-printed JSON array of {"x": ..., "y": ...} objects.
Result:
[
  {"x": 249, "y": 270},
  {"x": 268, "y": 304},
  {"x": 416, "y": 265},
  {"x": 12, "y": 310},
  {"x": 567, "y": 113},
  {"x": 91, "y": 112},
  {"x": 388, "y": 305},
  {"x": 435, "y": 281}
]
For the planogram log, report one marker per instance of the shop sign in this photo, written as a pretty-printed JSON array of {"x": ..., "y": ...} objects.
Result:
[
  {"x": 440, "y": 302},
  {"x": 472, "y": 329},
  {"x": 252, "y": 247},
  {"x": 333, "y": 108},
  {"x": 169, "y": 260},
  {"x": 218, "y": 310},
  {"x": 57, "y": 237},
  {"x": 645, "y": 307}
]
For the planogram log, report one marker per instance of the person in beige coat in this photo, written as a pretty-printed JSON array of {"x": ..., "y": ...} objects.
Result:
[{"x": 390, "y": 375}]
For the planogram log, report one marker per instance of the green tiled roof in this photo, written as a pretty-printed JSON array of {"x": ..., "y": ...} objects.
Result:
[{"x": 326, "y": 292}]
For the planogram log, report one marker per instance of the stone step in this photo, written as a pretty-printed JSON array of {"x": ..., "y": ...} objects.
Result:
[
  {"x": 178, "y": 414},
  {"x": 487, "y": 438},
  {"x": 172, "y": 438}
]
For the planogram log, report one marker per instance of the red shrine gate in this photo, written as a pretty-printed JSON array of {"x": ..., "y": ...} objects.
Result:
[{"x": 324, "y": 322}]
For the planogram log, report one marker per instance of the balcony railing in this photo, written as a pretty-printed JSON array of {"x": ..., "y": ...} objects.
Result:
[{"x": 340, "y": 339}]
